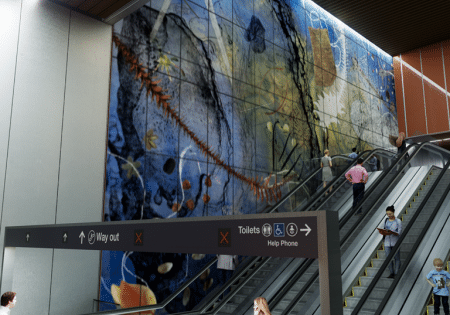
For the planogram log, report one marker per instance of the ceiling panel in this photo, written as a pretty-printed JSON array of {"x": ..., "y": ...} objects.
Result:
[{"x": 394, "y": 26}]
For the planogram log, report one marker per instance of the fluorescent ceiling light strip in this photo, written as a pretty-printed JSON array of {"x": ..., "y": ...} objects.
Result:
[{"x": 424, "y": 77}]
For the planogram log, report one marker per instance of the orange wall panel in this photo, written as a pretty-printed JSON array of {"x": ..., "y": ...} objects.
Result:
[
  {"x": 413, "y": 59},
  {"x": 415, "y": 110},
  {"x": 399, "y": 96},
  {"x": 436, "y": 109},
  {"x": 432, "y": 64}
]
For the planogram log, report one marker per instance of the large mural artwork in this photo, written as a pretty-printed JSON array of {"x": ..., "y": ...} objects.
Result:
[{"x": 218, "y": 107}]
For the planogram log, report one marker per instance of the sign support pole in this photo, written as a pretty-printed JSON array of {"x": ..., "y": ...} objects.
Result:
[{"x": 329, "y": 263}]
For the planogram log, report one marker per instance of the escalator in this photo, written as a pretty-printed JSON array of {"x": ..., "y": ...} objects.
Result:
[
  {"x": 304, "y": 304},
  {"x": 282, "y": 270},
  {"x": 290, "y": 285},
  {"x": 350, "y": 226}
]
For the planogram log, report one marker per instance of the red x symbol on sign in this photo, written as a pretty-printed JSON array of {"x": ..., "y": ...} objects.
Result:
[
  {"x": 224, "y": 238},
  {"x": 138, "y": 237}
]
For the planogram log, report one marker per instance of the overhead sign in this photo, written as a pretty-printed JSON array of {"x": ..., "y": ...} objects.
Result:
[{"x": 275, "y": 235}]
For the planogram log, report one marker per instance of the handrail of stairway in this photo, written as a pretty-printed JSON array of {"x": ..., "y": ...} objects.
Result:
[
  {"x": 162, "y": 304},
  {"x": 415, "y": 246},
  {"x": 337, "y": 178},
  {"x": 323, "y": 190},
  {"x": 300, "y": 185},
  {"x": 396, "y": 248}
]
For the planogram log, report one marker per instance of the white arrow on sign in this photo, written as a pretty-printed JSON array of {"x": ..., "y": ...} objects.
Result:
[
  {"x": 65, "y": 236},
  {"x": 28, "y": 237},
  {"x": 307, "y": 230},
  {"x": 81, "y": 236}
]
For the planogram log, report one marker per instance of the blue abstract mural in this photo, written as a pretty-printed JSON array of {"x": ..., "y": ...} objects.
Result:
[{"x": 218, "y": 108}]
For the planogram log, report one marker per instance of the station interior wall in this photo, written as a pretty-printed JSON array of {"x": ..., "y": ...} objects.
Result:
[
  {"x": 54, "y": 105},
  {"x": 422, "y": 79}
]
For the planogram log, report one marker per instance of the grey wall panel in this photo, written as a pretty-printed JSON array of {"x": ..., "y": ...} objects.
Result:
[
  {"x": 35, "y": 136},
  {"x": 35, "y": 140},
  {"x": 56, "y": 149},
  {"x": 9, "y": 33},
  {"x": 31, "y": 280},
  {"x": 80, "y": 193},
  {"x": 74, "y": 282}
]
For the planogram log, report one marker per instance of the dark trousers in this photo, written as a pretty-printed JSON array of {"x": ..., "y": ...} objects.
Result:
[
  {"x": 358, "y": 193},
  {"x": 437, "y": 303}
]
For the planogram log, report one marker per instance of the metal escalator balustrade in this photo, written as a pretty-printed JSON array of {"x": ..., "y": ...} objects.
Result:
[
  {"x": 251, "y": 262},
  {"x": 445, "y": 182},
  {"x": 340, "y": 180},
  {"x": 314, "y": 278},
  {"x": 376, "y": 262},
  {"x": 304, "y": 290},
  {"x": 227, "y": 308},
  {"x": 240, "y": 278},
  {"x": 428, "y": 212},
  {"x": 161, "y": 304}
]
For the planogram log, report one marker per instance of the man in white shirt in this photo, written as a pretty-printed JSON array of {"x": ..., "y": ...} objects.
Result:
[{"x": 8, "y": 301}]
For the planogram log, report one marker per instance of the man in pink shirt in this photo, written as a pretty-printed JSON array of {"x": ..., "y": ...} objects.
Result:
[{"x": 358, "y": 176}]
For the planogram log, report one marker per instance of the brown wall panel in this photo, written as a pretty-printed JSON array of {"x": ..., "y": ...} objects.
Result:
[
  {"x": 399, "y": 96},
  {"x": 413, "y": 59},
  {"x": 436, "y": 109},
  {"x": 432, "y": 64},
  {"x": 415, "y": 111}
]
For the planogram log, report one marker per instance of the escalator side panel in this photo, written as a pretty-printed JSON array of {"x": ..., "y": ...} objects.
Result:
[
  {"x": 357, "y": 256},
  {"x": 399, "y": 196},
  {"x": 404, "y": 300},
  {"x": 344, "y": 204}
]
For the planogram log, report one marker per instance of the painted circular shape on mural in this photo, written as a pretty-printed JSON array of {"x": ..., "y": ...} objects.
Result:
[{"x": 169, "y": 166}]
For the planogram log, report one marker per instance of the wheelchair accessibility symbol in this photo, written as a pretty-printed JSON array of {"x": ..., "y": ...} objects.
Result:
[{"x": 278, "y": 229}]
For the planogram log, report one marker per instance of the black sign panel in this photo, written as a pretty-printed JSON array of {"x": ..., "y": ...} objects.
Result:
[{"x": 275, "y": 235}]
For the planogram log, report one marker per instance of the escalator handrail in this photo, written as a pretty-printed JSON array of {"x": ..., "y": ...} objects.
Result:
[
  {"x": 321, "y": 192},
  {"x": 187, "y": 283},
  {"x": 396, "y": 248},
  {"x": 300, "y": 185},
  {"x": 299, "y": 272},
  {"x": 415, "y": 246},
  {"x": 163, "y": 303},
  {"x": 314, "y": 277},
  {"x": 421, "y": 146}
]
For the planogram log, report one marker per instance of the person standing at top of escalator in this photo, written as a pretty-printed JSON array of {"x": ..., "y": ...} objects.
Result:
[
  {"x": 400, "y": 143},
  {"x": 353, "y": 155},
  {"x": 327, "y": 174},
  {"x": 358, "y": 176},
  {"x": 438, "y": 280}
]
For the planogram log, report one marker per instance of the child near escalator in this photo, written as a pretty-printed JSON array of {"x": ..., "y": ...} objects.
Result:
[{"x": 438, "y": 280}]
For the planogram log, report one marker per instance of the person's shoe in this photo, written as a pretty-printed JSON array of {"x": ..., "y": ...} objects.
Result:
[{"x": 391, "y": 276}]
